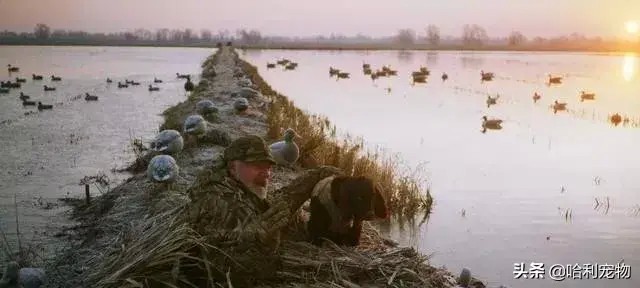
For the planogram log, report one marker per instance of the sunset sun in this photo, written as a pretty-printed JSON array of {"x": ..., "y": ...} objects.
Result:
[{"x": 632, "y": 27}]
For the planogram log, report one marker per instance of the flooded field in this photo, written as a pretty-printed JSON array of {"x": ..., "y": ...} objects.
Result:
[
  {"x": 45, "y": 153},
  {"x": 552, "y": 188}
]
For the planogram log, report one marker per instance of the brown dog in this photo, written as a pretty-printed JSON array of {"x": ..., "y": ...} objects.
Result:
[{"x": 338, "y": 206}]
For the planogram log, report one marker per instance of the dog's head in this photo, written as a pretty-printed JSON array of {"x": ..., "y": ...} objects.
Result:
[{"x": 359, "y": 197}]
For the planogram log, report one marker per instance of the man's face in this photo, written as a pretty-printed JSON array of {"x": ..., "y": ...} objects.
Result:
[{"x": 252, "y": 174}]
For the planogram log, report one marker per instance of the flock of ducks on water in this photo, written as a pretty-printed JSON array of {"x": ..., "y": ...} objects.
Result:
[
  {"x": 421, "y": 75},
  {"x": 6, "y": 86}
]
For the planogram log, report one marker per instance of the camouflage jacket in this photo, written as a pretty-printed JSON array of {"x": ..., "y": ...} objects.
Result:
[{"x": 224, "y": 210}]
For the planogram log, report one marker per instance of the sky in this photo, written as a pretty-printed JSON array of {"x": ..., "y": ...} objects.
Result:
[{"x": 347, "y": 17}]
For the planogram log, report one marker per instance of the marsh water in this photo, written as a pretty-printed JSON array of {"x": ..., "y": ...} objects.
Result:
[
  {"x": 44, "y": 154},
  {"x": 547, "y": 188}
]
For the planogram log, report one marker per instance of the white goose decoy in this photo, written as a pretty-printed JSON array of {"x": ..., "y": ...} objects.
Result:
[
  {"x": 206, "y": 107},
  {"x": 195, "y": 125},
  {"x": 162, "y": 169},
  {"x": 241, "y": 104},
  {"x": 168, "y": 141},
  {"x": 494, "y": 124},
  {"x": 286, "y": 152}
]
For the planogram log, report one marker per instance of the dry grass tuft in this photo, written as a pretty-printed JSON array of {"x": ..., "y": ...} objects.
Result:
[{"x": 405, "y": 190}]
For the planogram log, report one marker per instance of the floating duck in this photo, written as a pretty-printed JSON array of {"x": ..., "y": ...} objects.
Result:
[
  {"x": 486, "y": 76},
  {"x": 54, "y": 78},
  {"x": 444, "y": 77},
  {"x": 283, "y": 62},
  {"x": 494, "y": 124},
  {"x": 558, "y": 106},
  {"x": 12, "y": 68},
  {"x": 109, "y": 80},
  {"x": 4, "y": 90},
  {"x": 163, "y": 169},
  {"x": 47, "y": 88},
  {"x": 420, "y": 79},
  {"x": 151, "y": 88},
  {"x": 206, "y": 107},
  {"x": 333, "y": 72},
  {"x": 286, "y": 152},
  {"x": 28, "y": 103},
  {"x": 342, "y": 75},
  {"x": 374, "y": 76},
  {"x": 168, "y": 141},
  {"x": 271, "y": 65},
  {"x": 156, "y": 80},
  {"x": 492, "y": 101},
  {"x": 241, "y": 104},
  {"x": 587, "y": 96},
  {"x": 554, "y": 80},
  {"x": 89, "y": 97},
  {"x": 21, "y": 80},
  {"x": 291, "y": 66},
  {"x": 44, "y": 106},
  {"x": 120, "y": 85},
  {"x": 182, "y": 76},
  {"x": 188, "y": 86},
  {"x": 36, "y": 77},
  {"x": 615, "y": 119},
  {"x": 536, "y": 97}
]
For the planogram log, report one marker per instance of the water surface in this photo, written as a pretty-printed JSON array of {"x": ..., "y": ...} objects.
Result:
[{"x": 516, "y": 187}]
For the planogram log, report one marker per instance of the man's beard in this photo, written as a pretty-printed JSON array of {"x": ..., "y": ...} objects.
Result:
[{"x": 260, "y": 191}]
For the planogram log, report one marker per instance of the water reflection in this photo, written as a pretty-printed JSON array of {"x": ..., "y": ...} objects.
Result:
[
  {"x": 471, "y": 61},
  {"x": 629, "y": 66},
  {"x": 432, "y": 58},
  {"x": 405, "y": 56}
]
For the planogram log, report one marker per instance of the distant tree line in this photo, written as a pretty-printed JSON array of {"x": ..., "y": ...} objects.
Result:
[{"x": 472, "y": 36}]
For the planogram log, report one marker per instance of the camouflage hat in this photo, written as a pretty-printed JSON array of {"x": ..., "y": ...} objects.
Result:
[{"x": 250, "y": 148}]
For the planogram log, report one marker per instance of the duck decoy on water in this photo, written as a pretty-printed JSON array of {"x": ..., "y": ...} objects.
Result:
[
  {"x": 182, "y": 76},
  {"x": 444, "y": 77},
  {"x": 163, "y": 169},
  {"x": 12, "y": 68},
  {"x": 494, "y": 124},
  {"x": 286, "y": 152},
  {"x": 120, "y": 85},
  {"x": 291, "y": 66},
  {"x": 36, "y": 77},
  {"x": 271, "y": 65},
  {"x": 536, "y": 97},
  {"x": 89, "y": 97},
  {"x": 21, "y": 80},
  {"x": 333, "y": 72},
  {"x": 4, "y": 90},
  {"x": 554, "y": 80},
  {"x": 587, "y": 96},
  {"x": 134, "y": 83},
  {"x": 109, "y": 80},
  {"x": 156, "y": 80},
  {"x": 558, "y": 106},
  {"x": 492, "y": 101},
  {"x": 188, "y": 86},
  {"x": 47, "y": 88},
  {"x": 419, "y": 79},
  {"x": 615, "y": 119},
  {"x": 44, "y": 106},
  {"x": 54, "y": 78},
  {"x": 342, "y": 75},
  {"x": 28, "y": 103},
  {"x": 151, "y": 88},
  {"x": 24, "y": 96},
  {"x": 486, "y": 76},
  {"x": 168, "y": 142}
]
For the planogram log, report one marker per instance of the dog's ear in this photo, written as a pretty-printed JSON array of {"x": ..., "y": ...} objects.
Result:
[{"x": 380, "y": 208}]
